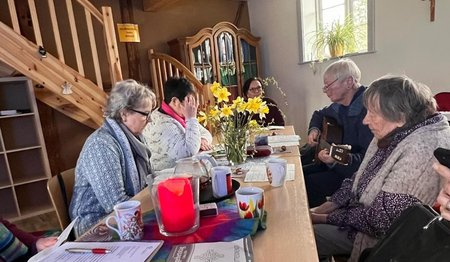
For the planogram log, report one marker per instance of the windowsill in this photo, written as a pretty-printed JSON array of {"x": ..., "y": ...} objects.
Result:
[{"x": 337, "y": 58}]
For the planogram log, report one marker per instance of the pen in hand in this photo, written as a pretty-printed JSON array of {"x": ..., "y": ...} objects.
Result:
[{"x": 89, "y": 250}]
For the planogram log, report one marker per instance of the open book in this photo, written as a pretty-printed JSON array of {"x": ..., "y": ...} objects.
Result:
[
  {"x": 120, "y": 251},
  {"x": 240, "y": 250}
]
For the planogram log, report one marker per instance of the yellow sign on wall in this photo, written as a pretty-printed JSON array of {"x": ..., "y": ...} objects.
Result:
[{"x": 128, "y": 32}]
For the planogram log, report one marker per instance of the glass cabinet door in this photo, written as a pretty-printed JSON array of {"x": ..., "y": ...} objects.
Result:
[
  {"x": 201, "y": 57},
  {"x": 249, "y": 63},
  {"x": 227, "y": 59}
]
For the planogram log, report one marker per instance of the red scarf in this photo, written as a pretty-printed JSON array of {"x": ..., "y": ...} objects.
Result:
[{"x": 168, "y": 110}]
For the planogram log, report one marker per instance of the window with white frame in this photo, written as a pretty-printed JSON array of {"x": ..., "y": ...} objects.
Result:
[{"x": 318, "y": 17}]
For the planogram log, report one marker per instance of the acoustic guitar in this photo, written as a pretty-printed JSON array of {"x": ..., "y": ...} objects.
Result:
[{"x": 331, "y": 139}]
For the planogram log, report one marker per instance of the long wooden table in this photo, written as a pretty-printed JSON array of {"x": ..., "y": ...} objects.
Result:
[{"x": 289, "y": 235}]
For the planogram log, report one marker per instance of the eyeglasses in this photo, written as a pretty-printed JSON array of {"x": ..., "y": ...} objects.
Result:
[
  {"x": 325, "y": 87},
  {"x": 255, "y": 89},
  {"x": 148, "y": 115}
]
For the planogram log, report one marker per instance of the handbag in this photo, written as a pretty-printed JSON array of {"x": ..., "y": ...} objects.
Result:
[{"x": 418, "y": 234}]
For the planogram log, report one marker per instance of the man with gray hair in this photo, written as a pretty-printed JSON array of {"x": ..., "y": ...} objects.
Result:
[{"x": 341, "y": 85}]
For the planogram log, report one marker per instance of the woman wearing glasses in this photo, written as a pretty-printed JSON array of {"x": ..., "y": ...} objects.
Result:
[
  {"x": 253, "y": 88},
  {"x": 175, "y": 132},
  {"x": 115, "y": 159},
  {"x": 341, "y": 85}
]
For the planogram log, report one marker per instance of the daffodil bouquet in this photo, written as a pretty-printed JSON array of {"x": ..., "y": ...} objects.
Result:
[{"x": 232, "y": 121}]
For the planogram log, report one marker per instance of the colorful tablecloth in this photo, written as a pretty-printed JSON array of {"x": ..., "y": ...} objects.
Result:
[{"x": 226, "y": 226}]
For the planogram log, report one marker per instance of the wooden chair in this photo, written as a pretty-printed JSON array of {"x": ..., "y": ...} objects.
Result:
[
  {"x": 164, "y": 66},
  {"x": 60, "y": 189}
]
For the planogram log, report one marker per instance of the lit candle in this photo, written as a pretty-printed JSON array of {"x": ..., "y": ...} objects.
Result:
[{"x": 176, "y": 204}]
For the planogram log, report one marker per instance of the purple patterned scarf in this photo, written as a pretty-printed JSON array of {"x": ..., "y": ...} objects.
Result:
[{"x": 385, "y": 148}]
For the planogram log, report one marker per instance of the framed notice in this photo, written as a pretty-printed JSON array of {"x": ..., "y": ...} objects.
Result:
[{"x": 128, "y": 33}]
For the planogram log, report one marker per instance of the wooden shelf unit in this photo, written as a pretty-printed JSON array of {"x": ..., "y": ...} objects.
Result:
[{"x": 24, "y": 167}]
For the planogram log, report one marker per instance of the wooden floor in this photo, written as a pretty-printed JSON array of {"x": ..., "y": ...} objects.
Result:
[{"x": 43, "y": 222}]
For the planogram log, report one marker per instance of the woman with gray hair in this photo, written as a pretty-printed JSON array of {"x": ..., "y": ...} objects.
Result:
[
  {"x": 115, "y": 158},
  {"x": 395, "y": 173}
]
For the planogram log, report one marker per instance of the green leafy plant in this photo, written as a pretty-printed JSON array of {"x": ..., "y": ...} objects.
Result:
[{"x": 339, "y": 38}]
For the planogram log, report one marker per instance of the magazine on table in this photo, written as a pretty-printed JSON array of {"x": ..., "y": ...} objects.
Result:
[{"x": 240, "y": 250}]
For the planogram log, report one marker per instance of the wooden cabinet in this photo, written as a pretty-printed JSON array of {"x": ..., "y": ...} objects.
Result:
[
  {"x": 24, "y": 168},
  {"x": 224, "y": 53}
]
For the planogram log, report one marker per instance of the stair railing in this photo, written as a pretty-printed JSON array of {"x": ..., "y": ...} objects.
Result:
[{"x": 104, "y": 19}]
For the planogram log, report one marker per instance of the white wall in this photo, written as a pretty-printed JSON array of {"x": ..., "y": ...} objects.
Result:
[{"x": 406, "y": 42}]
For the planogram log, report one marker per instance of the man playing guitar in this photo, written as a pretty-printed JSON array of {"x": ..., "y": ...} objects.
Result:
[{"x": 341, "y": 85}]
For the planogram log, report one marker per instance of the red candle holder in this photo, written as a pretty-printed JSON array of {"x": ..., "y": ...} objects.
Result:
[{"x": 176, "y": 203}]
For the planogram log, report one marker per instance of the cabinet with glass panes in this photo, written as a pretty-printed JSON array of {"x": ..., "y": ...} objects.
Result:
[
  {"x": 223, "y": 53},
  {"x": 24, "y": 168}
]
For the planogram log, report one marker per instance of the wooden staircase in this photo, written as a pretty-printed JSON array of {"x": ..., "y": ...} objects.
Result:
[{"x": 59, "y": 85}]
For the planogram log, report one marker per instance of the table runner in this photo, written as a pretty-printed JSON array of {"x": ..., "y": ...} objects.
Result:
[{"x": 226, "y": 226}]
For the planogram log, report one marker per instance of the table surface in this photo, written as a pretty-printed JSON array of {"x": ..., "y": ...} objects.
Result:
[{"x": 289, "y": 235}]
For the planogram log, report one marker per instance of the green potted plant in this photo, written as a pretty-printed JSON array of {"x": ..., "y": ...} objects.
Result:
[{"x": 338, "y": 37}]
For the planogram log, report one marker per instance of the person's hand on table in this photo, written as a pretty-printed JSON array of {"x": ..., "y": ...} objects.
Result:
[
  {"x": 325, "y": 157},
  {"x": 205, "y": 145},
  {"x": 313, "y": 136},
  {"x": 444, "y": 196},
  {"x": 46, "y": 242}
]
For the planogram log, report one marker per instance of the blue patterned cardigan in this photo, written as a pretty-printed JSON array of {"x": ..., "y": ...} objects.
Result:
[{"x": 103, "y": 177}]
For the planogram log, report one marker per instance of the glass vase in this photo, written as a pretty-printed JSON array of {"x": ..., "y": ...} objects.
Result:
[{"x": 235, "y": 143}]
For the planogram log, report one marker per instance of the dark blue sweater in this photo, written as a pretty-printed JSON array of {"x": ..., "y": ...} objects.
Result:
[{"x": 355, "y": 133}]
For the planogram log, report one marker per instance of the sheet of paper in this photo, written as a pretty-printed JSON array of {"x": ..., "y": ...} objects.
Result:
[
  {"x": 257, "y": 173},
  {"x": 240, "y": 250},
  {"x": 120, "y": 251},
  {"x": 61, "y": 239},
  {"x": 284, "y": 140},
  {"x": 275, "y": 127}
]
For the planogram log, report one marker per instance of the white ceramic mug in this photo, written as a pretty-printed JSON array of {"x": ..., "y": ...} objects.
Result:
[
  {"x": 128, "y": 216},
  {"x": 250, "y": 202},
  {"x": 221, "y": 181},
  {"x": 276, "y": 169}
]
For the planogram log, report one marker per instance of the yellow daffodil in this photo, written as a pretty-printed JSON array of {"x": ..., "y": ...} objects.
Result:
[
  {"x": 239, "y": 104},
  {"x": 214, "y": 112},
  {"x": 253, "y": 105},
  {"x": 253, "y": 124},
  {"x": 222, "y": 94},
  {"x": 202, "y": 118},
  {"x": 263, "y": 110},
  {"x": 214, "y": 87},
  {"x": 226, "y": 111}
]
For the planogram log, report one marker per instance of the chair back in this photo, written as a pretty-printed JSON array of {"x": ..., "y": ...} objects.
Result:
[
  {"x": 443, "y": 101},
  {"x": 60, "y": 189},
  {"x": 164, "y": 66}
]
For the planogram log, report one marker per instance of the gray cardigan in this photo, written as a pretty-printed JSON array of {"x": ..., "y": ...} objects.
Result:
[{"x": 408, "y": 170}]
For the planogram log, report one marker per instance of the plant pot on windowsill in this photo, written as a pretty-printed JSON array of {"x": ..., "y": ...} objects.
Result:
[
  {"x": 336, "y": 51},
  {"x": 338, "y": 37}
]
